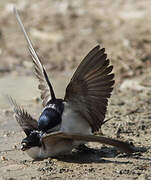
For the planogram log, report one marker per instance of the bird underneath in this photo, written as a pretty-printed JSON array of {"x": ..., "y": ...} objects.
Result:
[{"x": 66, "y": 123}]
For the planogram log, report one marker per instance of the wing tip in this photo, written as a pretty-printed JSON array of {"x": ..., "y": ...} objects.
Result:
[{"x": 98, "y": 47}]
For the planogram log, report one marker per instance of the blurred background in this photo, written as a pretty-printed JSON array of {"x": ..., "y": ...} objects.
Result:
[{"x": 63, "y": 32}]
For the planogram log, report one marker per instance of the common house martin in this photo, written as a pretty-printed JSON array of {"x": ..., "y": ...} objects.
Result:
[{"x": 66, "y": 123}]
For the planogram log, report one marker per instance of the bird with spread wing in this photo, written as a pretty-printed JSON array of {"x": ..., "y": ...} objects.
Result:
[{"x": 66, "y": 123}]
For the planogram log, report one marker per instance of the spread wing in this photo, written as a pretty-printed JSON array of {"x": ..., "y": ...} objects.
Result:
[
  {"x": 25, "y": 120},
  {"x": 123, "y": 146},
  {"x": 45, "y": 86},
  {"x": 44, "y": 83},
  {"x": 90, "y": 87}
]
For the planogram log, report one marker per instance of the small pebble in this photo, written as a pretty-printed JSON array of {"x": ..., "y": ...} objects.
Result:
[
  {"x": 36, "y": 99},
  {"x": 11, "y": 178},
  {"x": 3, "y": 158},
  {"x": 15, "y": 147},
  {"x": 6, "y": 135}
]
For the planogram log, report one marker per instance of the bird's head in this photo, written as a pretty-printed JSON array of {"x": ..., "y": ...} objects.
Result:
[{"x": 32, "y": 140}]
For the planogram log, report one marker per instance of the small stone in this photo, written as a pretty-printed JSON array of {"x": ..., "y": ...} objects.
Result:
[
  {"x": 132, "y": 84},
  {"x": 33, "y": 177},
  {"x": 142, "y": 177},
  {"x": 3, "y": 158},
  {"x": 6, "y": 135},
  {"x": 15, "y": 147},
  {"x": 36, "y": 99},
  {"x": 7, "y": 112}
]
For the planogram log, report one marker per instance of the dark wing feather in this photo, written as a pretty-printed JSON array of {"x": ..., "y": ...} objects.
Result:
[
  {"x": 44, "y": 84},
  {"x": 90, "y": 87},
  {"x": 25, "y": 120},
  {"x": 123, "y": 146}
]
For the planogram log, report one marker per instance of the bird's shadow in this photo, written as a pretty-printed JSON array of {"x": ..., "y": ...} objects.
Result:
[{"x": 89, "y": 155}]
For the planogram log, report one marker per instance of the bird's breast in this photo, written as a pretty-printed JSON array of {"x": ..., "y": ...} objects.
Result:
[
  {"x": 34, "y": 152},
  {"x": 72, "y": 122},
  {"x": 51, "y": 149}
]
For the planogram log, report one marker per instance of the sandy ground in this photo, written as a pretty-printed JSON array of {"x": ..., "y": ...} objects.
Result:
[{"x": 63, "y": 32}]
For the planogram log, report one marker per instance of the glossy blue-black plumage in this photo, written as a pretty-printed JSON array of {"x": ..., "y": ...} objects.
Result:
[
  {"x": 33, "y": 139},
  {"x": 51, "y": 115}
]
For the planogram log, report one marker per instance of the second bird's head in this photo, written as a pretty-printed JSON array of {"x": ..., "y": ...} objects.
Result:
[{"x": 32, "y": 140}]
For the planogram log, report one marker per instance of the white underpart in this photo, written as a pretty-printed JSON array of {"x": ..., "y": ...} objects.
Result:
[
  {"x": 52, "y": 149},
  {"x": 34, "y": 152},
  {"x": 72, "y": 122}
]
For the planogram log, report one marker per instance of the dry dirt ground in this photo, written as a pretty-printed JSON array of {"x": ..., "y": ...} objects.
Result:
[{"x": 63, "y": 32}]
